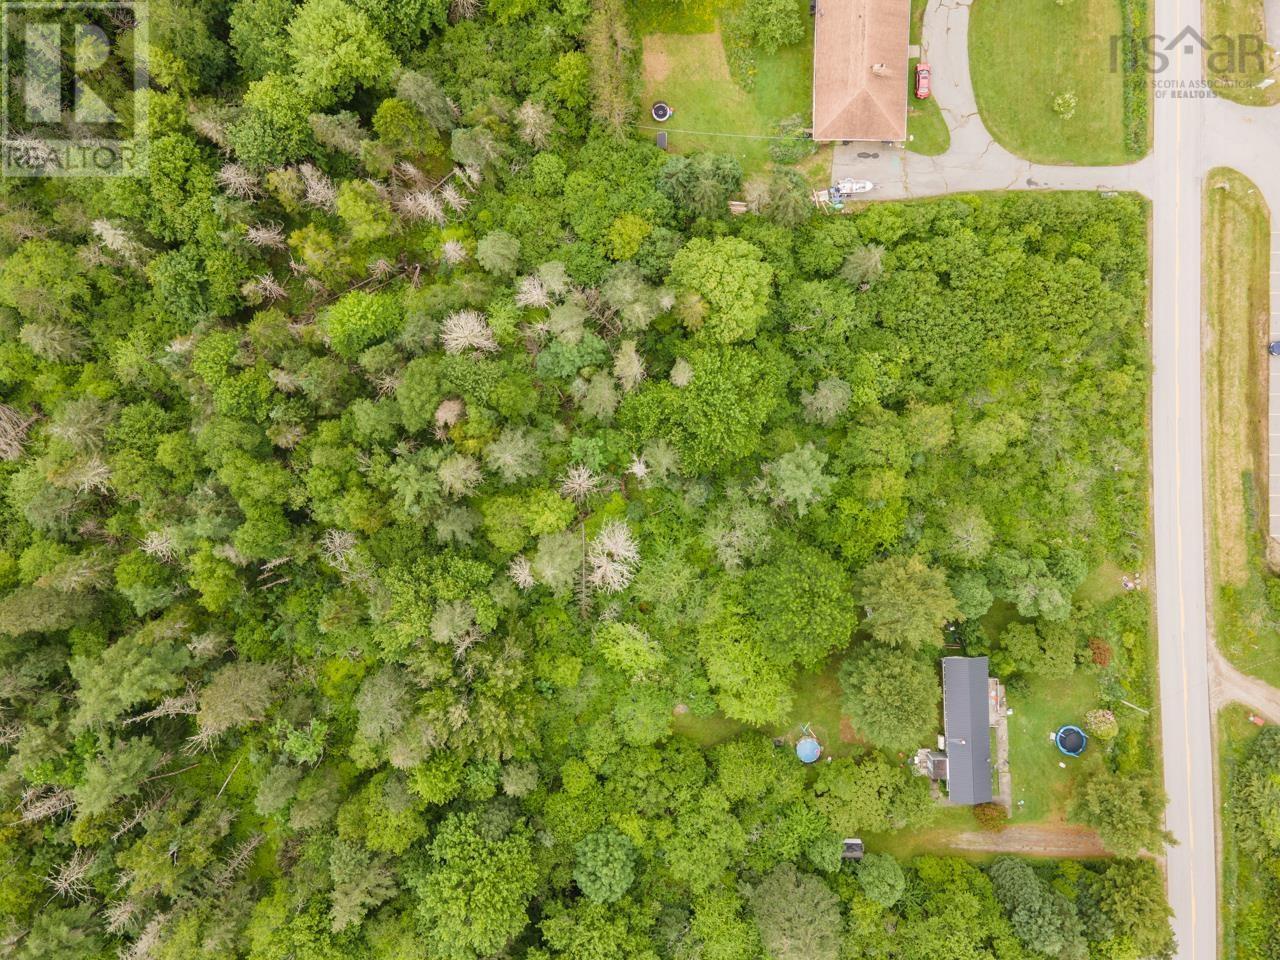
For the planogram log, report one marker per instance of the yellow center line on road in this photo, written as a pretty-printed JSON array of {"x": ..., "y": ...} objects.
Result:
[{"x": 1177, "y": 473}]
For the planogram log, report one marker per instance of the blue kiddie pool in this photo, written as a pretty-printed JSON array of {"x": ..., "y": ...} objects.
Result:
[
  {"x": 1071, "y": 740},
  {"x": 808, "y": 749}
]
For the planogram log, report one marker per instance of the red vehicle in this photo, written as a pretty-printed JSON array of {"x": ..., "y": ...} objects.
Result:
[{"x": 922, "y": 81}]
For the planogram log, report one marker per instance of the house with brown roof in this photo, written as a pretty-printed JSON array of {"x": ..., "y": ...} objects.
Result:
[{"x": 860, "y": 69}]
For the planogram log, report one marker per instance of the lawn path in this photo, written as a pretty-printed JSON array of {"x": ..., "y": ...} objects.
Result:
[{"x": 1064, "y": 840}]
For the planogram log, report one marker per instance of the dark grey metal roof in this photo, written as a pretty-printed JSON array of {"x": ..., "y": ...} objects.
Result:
[{"x": 967, "y": 725}]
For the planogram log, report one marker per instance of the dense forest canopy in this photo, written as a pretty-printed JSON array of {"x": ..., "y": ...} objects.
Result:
[
  {"x": 392, "y": 469},
  {"x": 1253, "y": 837}
]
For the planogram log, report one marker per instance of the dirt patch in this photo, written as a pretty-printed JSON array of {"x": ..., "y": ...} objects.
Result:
[
  {"x": 847, "y": 733},
  {"x": 657, "y": 61},
  {"x": 1033, "y": 840}
]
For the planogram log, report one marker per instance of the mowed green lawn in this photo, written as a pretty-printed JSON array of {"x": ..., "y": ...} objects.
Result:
[
  {"x": 691, "y": 73},
  {"x": 917, "y": 20},
  {"x": 925, "y": 124},
  {"x": 1024, "y": 53},
  {"x": 1040, "y": 783}
]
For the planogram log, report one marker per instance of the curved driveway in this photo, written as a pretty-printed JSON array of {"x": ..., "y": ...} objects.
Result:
[{"x": 1193, "y": 133}]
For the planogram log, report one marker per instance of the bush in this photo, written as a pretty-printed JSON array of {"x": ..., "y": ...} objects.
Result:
[
  {"x": 796, "y": 145},
  {"x": 1101, "y": 724},
  {"x": 773, "y": 23},
  {"x": 1064, "y": 105},
  {"x": 991, "y": 817},
  {"x": 1136, "y": 75}
]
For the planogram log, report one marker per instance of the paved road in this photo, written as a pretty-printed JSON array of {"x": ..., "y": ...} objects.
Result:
[
  {"x": 1192, "y": 137},
  {"x": 1194, "y": 132},
  {"x": 1178, "y": 487}
]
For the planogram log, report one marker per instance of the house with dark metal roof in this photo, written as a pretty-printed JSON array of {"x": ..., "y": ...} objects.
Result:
[{"x": 966, "y": 716}]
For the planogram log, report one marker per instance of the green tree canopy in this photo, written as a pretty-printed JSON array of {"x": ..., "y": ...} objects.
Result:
[
  {"x": 891, "y": 697},
  {"x": 907, "y": 602},
  {"x": 605, "y": 865},
  {"x": 732, "y": 280},
  {"x": 798, "y": 915}
]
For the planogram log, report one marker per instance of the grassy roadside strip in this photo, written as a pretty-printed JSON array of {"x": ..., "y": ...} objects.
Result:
[
  {"x": 1232, "y": 67},
  {"x": 1245, "y": 595},
  {"x": 1135, "y": 18}
]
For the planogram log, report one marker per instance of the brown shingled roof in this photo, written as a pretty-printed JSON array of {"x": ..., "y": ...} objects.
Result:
[{"x": 860, "y": 70}]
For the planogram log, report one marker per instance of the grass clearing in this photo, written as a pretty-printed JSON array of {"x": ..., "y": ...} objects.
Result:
[
  {"x": 1241, "y": 886},
  {"x": 817, "y": 704},
  {"x": 1237, "y": 265},
  {"x": 1025, "y": 53},
  {"x": 934, "y": 839},
  {"x": 1238, "y": 61},
  {"x": 926, "y": 127},
  {"x": 816, "y": 169},
  {"x": 1102, "y": 584},
  {"x": 686, "y": 66}
]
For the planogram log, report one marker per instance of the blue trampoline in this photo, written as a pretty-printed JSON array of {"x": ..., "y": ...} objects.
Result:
[
  {"x": 808, "y": 749},
  {"x": 1071, "y": 740}
]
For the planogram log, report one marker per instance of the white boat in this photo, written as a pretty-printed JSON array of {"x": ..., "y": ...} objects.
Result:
[{"x": 847, "y": 188}]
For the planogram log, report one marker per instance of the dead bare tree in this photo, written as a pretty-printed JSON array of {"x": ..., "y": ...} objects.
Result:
[
  {"x": 39, "y": 803},
  {"x": 71, "y": 877},
  {"x": 13, "y": 432}
]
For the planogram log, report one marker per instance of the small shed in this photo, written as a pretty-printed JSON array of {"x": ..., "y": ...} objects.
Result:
[{"x": 931, "y": 764}]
